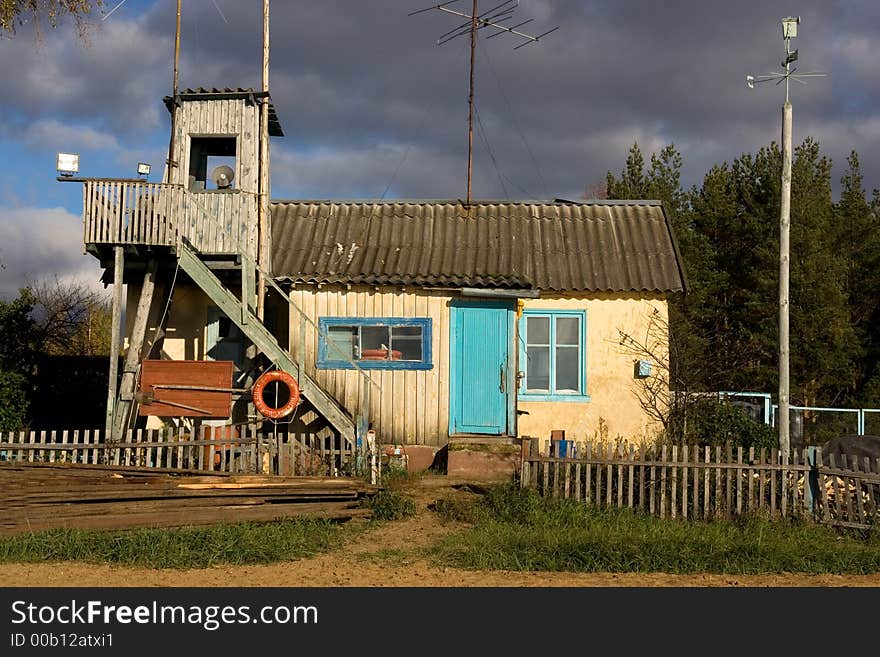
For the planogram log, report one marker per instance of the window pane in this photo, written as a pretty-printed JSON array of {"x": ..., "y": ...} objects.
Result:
[
  {"x": 406, "y": 342},
  {"x": 538, "y": 368},
  {"x": 567, "y": 330},
  {"x": 375, "y": 342},
  {"x": 538, "y": 330},
  {"x": 341, "y": 343},
  {"x": 567, "y": 367}
]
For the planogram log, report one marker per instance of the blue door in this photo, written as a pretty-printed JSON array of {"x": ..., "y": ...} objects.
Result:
[{"x": 480, "y": 385}]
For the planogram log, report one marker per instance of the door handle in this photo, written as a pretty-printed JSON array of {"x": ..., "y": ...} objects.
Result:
[{"x": 503, "y": 385}]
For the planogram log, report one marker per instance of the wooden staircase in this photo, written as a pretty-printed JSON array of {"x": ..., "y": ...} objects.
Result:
[{"x": 240, "y": 313}]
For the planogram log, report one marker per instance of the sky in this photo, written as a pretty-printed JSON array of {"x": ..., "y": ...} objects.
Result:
[{"x": 373, "y": 108}]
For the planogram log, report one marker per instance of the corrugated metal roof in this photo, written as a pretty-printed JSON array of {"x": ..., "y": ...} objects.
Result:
[
  {"x": 228, "y": 93},
  {"x": 560, "y": 246}
]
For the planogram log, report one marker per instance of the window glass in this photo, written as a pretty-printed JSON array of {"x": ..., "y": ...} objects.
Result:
[
  {"x": 349, "y": 342},
  {"x": 538, "y": 369},
  {"x": 375, "y": 341},
  {"x": 407, "y": 342},
  {"x": 568, "y": 331},
  {"x": 538, "y": 330},
  {"x": 343, "y": 342},
  {"x": 554, "y": 353},
  {"x": 567, "y": 369}
]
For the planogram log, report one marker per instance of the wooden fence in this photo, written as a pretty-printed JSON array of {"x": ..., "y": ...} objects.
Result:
[
  {"x": 246, "y": 451},
  {"x": 707, "y": 482}
]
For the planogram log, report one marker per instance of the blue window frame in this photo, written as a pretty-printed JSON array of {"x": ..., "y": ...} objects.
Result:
[
  {"x": 374, "y": 343},
  {"x": 552, "y": 355}
]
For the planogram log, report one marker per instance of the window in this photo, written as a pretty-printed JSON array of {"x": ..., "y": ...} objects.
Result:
[
  {"x": 387, "y": 343},
  {"x": 552, "y": 355},
  {"x": 206, "y": 155}
]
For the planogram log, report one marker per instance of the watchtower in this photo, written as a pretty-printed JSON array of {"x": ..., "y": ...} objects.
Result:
[{"x": 202, "y": 225}]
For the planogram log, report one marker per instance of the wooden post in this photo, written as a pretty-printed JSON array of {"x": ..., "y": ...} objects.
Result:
[
  {"x": 133, "y": 355},
  {"x": 263, "y": 210},
  {"x": 784, "y": 224},
  {"x": 115, "y": 337},
  {"x": 524, "y": 464},
  {"x": 169, "y": 169}
]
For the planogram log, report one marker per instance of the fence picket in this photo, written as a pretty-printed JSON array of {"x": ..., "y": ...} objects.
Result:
[
  {"x": 871, "y": 502},
  {"x": 684, "y": 482},
  {"x": 587, "y": 481},
  {"x": 618, "y": 450},
  {"x": 610, "y": 473},
  {"x": 663, "y": 467},
  {"x": 674, "y": 500},
  {"x": 568, "y": 465},
  {"x": 837, "y": 505},
  {"x": 698, "y": 474},
  {"x": 706, "y": 480},
  {"x": 860, "y": 505},
  {"x": 774, "y": 459},
  {"x": 545, "y": 466},
  {"x": 632, "y": 471}
]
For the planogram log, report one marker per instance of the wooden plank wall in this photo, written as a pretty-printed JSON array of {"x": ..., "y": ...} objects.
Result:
[
  {"x": 234, "y": 117},
  {"x": 412, "y": 406}
]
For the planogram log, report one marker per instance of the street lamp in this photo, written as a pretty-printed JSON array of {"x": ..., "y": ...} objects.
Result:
[{"x": 789, "y": 31}]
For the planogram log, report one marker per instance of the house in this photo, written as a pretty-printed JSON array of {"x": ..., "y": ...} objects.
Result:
[{"x": 430, "y": 321}]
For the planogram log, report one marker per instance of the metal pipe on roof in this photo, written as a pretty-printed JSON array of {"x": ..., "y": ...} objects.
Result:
[{"x": 500, "y": 293}]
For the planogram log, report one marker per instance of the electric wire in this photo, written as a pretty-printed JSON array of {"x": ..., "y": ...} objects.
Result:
[
  {"x": 517, "y": 125},
  {"x": 489, "y": 150}
]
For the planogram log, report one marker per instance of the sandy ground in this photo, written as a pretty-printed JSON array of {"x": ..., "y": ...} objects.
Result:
[{"x": 388, "y": 556}]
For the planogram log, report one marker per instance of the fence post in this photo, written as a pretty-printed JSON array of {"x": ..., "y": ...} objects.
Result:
[
  {"x": 524, "y": 464},
  {"x": 811, "y": 481}
]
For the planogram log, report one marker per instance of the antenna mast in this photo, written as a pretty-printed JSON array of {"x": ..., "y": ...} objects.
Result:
[
  {"x": 474, "y": 22},
  {"x": 171, "y": 161},
  {"x": 789, "y": 31}
]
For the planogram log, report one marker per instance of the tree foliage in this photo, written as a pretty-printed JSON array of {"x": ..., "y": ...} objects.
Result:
[
  {"x": 14, "y": 13},
  {"x": 723, "y": 335},
  {"x": 72, "y": 320},
  {"x": 18, "y": 352},
  {"x": 48, "y": 318}
]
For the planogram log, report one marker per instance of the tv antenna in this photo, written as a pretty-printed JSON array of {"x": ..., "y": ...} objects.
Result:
[
  {"x": 789, "y": 32},
  {"x": 490, "y": 19}
]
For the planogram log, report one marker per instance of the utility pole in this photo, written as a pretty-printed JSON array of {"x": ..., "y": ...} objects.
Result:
[{"x": 789, "y": 31}]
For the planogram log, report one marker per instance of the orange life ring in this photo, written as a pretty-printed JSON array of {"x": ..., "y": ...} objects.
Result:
[{"x": 260, "y": 386}]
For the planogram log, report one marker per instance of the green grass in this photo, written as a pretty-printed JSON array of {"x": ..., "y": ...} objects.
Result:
[
  {"x": 391, "y": 505},
  {"x": 191, "y": 547},
  {"x": 516, "y": 529}
]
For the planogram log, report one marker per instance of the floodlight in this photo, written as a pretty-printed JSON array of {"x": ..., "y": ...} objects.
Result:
[
  {"x": 143, "y": 169},
  {"x": 67, "y": 164},
  {"x": 750, "y": 80},
  {"x": 789, "y": 27}
]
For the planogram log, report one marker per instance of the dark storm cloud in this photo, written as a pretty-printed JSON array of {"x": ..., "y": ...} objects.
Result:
[{"x": 367, "y": 99}]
